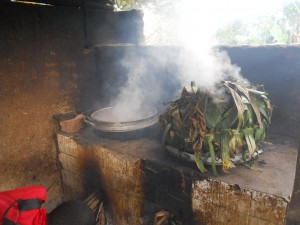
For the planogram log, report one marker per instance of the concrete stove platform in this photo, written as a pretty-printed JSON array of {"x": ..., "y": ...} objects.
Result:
[{"x": 139, "y": 179}]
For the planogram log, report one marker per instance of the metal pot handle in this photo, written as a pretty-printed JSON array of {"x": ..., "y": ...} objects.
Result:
[{"x": 89, "y": 121}]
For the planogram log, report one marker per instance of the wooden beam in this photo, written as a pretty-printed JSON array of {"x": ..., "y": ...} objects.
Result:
[{"x": 89, "y": 4}]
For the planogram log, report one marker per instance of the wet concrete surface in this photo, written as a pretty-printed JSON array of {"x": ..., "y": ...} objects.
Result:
[{"x": 273, "y": 173}]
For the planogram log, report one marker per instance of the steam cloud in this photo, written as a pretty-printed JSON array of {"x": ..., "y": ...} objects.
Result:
[
  {"x": 143, "y": 88},
  {"x": 196, "y": 60}
]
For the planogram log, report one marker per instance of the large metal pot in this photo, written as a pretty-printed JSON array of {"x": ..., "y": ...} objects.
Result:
[{"x": 101, "y": 122}]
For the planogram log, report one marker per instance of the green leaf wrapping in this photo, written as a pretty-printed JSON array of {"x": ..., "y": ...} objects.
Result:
[
  {"x": 199, "y": 163},
  {"x": 217, "y": 125},
  {"x": 252, "y": 101},
  {"x": 209, "y": 139},
  {"x": 225, "y": 151},
  {"x": 248, "y": 132},
  {"x": 239, "y": 105}
]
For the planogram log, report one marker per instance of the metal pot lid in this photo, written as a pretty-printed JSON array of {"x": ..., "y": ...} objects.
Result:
[{"x": 107, "y": 120}]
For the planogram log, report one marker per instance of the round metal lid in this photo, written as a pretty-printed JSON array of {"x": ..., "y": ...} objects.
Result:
[{"x": 105, "y": 120}]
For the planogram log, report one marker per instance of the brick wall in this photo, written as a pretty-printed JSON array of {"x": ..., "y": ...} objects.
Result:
[
  {"x": 137, "y": 188},
  {"x": 121, "y": 177}
]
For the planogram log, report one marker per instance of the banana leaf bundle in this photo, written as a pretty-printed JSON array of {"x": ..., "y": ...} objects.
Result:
[{"x": 218, "y": 125}]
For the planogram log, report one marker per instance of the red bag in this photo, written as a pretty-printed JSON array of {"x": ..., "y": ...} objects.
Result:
[{"x": 22, "y": 206}]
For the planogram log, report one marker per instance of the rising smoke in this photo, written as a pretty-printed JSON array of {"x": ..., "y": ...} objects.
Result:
[{"x": 149, "y": 79}]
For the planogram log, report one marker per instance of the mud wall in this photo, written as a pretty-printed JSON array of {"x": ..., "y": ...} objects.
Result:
[
  {"x": 44, "y": 64},
  {"x": 38, "y": 79}
]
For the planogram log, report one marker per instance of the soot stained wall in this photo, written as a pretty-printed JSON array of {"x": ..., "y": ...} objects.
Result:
[
  {"x": 168, "y": 189},
  {"x": 44, "y": 69},
  {"x": 40, "y": 65}
]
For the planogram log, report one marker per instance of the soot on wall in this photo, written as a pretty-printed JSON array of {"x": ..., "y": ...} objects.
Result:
[{"x": 168, "y": 188}]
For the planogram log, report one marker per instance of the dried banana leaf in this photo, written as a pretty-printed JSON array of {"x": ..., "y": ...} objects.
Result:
[
  {"x": 248, "y": 133},
  {"x": 214, "y": 125},
  {"x": 251, "y": 99},
  {"x": 239, "y": 105}
]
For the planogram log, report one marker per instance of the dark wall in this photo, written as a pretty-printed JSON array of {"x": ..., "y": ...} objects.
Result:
[
  {"x": 110, "y": 28},
  {"x": 278, "y": 69},
  {"x": 40, "y": 65},
  {"x": 46, "y": 69},
  {"x": 169, "y": 189}
]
